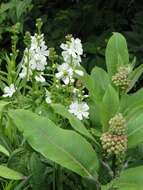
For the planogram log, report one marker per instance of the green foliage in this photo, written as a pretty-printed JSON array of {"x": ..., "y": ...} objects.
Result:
[
  {"x": 116, "y": 53},
  {"x": 48, "y": 131},
  {"x": 75, "y": 123},
  {"x": 51, "y": 142},
  {"x": 9, "y": 173}
]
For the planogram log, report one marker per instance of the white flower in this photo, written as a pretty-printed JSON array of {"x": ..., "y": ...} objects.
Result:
[
  {"x": 48, "y": 97},
  {"x": 72, "y": 51},
  {"x": 38, "y": 62},
  {"x": 79, "y": 109},
  {"x": 23, "y": 73},
  {"x": 9, "y": 91},
  {"x": 40, "y": 78},
  {"x": 65, "y": 73},
  {"x": 36, "y": 55}
]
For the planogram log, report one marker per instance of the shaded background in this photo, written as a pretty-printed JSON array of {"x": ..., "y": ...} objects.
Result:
[{"x": 93, "y": 21}]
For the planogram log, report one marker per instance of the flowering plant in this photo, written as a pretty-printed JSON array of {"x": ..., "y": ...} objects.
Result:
[{"x": 53, "y": 110}]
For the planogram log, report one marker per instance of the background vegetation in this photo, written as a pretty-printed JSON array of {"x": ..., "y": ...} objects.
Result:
[{"x": 92, "y": 21}]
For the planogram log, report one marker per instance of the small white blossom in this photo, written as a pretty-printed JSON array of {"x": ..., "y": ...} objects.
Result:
[
  {"x": 23, "y": 73},
  {"x": 65, "y": 73},
  {"x": 36, "y": 56},
  {"x": 72, "y": 51},
  {"x": 48, "y": 97},
  {"x": 9, "y": 91},
  {"x": 79, "y": 109},
  {"x": 40, "y": 78}
]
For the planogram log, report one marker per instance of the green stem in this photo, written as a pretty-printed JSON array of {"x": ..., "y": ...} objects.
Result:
[
  {"x": 54, "y": 176},
  {"x": 59, "y": 178}
]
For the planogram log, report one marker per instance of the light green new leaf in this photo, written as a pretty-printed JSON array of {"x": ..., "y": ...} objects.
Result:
[
  {"x": 8, "y": 173},
  {"x": 116, "y": 53},
  {"x": 75, "y": 123},
  {"x": 135, "y": 131},
  {"x": 64, "y": 147},
  {"x": 109, "y": 106},
  {"x": 4, "y": 150}
]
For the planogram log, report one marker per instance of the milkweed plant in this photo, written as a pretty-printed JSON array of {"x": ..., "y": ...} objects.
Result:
[{"x": 60, "y": 123}]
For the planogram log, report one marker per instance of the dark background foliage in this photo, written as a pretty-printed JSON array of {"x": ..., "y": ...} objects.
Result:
[{"x": 93, "y": 21}]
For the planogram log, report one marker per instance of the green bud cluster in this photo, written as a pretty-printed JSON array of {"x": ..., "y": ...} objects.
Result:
[
  {"x": 27, "y": 39},
  {"x": 118, "y": 125},
  {"x": 39, "y": 24},
  {"x": 120, "y": 79},
  {"x": 114, "y": 142},
  {"x": 52, "y": 54}
]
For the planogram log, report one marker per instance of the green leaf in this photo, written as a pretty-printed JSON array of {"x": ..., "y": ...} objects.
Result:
[
  {"x": 4, "y": 150},
  {"x": 37, "y": 170},
  {"x": 134, "y": 76},
  {"x": 131, "y": 102},
  {"x": 109, "y": 106},
  {"x": 96, "y": 83},
  {"x": 3, "y": 104},
  {"x": 99, "y": 83},
  {"x": 75, "y": 123},
  {"x": 130, "y": 179},
  {"x": 135, "y": 131},
  {"x": 64, "y": 147},
  {"x": 10, "y": 174},
  {"x": 116, "y": 53}
]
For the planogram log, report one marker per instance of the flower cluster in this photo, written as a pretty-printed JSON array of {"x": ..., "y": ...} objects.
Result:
[
  {"x": 63, "y": 77},
  {"x": 35, "y": 58},
  {"x": 120, "y": 79},
  {"x": 72, "y": 51},
  {"x": 118, "y": 125},
  {"x": 67, "y": 72},
  {"x": 114, "y": 142}
]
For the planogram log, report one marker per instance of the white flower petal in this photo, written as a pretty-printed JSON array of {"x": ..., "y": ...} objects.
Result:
[{"x": 79, "y": 72}]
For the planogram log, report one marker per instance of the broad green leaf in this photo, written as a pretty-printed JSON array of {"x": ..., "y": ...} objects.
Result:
[
  {"x": 130, "y": 179},
  {"x": 129, "y": 102},
  {"x": 99, "y": 81},
  {"x": 96, "y": 83},
  {"x": 134, "y": 76},
  {"x": 116, "y": 53},
  {"x": 109, "y": 106},
  {"x": 135, "y": 131},
  {"x": 4, "y": 150},
  {"x": 75, "y": 123},
  {"x": 8, "y": 173},
  {"x": 64, "y": 147},
  {"x": 94, "y": 113}
]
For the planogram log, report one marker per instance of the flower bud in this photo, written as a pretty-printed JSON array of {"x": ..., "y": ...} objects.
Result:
[
  {"x": 120, "y": 79},
  {"x": 117, "y": 125}
]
